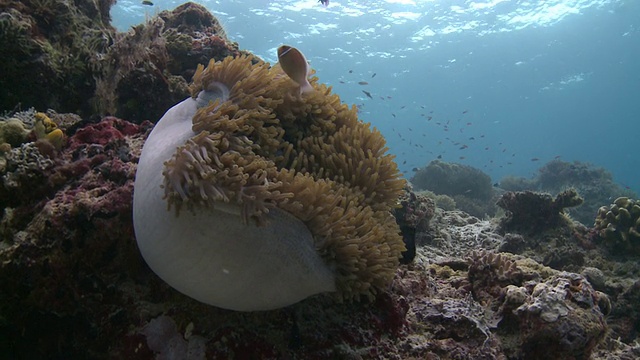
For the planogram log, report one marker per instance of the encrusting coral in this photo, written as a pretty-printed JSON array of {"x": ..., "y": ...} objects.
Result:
[{"x": 255, "y": 150}]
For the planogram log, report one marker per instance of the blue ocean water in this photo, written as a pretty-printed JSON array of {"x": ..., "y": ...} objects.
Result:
[{"x": 501, "y": 85}]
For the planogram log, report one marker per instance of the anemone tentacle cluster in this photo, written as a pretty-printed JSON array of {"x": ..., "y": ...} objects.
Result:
[{"x": 256, "y": 148}]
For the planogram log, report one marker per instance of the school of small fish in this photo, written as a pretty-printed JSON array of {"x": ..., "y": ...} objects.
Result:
[{"x": 458, "y": 128}]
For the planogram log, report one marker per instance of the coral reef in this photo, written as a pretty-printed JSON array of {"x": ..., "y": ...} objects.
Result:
[
  {"x": 618, "y": 226},
  {"x": 64, "y": 53},
  {"x": 562, "y": 311},
  {"x": 52, "y": 45},
  {"x": 532, "y": 212},
  {"x": 156, "y": 60},
  {"x": 563, "y": 314},
  {"x": 469, "y": 187},
  {"x": 594, "y": 184},
  {"x": 63, "y": 219},
  {"x": 88, "y": 293},
  {"x": 74, "y": 285},
  {"x": 569, "y": 246},
  {"x": 444, "y": 202}
]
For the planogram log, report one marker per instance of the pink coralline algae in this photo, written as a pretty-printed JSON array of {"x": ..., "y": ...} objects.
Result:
[
  {"x": 104, "y": 132},
  {"x": 58, "y": 231}
]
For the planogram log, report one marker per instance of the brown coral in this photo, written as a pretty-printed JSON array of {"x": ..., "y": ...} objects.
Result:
[
  {"x": 534, "y": 212},
  {"x": 618, "y": 226},
  {"x": 261, "y": 145}
]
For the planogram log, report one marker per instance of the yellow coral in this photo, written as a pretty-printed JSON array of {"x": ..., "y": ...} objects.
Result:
[
  {"x": 261, "y": 146},
  {"x": 46, "y": 129}
]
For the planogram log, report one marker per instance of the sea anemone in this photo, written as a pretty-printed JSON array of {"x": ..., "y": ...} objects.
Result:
[{"x": 250, "y": 197}]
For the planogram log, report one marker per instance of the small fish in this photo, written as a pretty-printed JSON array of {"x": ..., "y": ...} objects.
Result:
[
  {"x": 324, "y": 2},
  {"x": 557, "y": 157},
  {"x": 374, "y": 75},
  {"x": 368, "y": 94},
  {"x": 534, "y": 159},
  {"x": 147, "y": 2},
  {"x": 466, "y": 111},
  {"x": 439, "y": 156},
  {"x": 404, "y": 162},
  {"x": 394, "y": 115},
  {"x": 350, "y": 71},
  {"x": 415, "y": 169},
  {"x": 363, "y": 83},
  {"x": 469, "y": 124},
  {"x": 295, "y": 65},
  {"x": 341, "y": 82},
  {"x": 462, "y": 158},
  {"x": 463, "y": 147}
]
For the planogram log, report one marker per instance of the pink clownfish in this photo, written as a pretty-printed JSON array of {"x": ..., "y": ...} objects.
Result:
[{"x": 295, "y": 65}]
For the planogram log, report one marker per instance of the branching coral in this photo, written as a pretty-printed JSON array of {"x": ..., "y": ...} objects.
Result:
[{"x": 255, "y": 150}]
